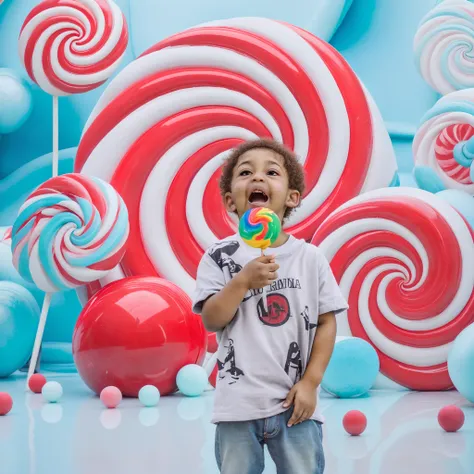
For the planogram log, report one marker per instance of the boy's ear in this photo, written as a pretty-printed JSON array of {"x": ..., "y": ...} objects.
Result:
[
  {"x": 229, "y": 203},
  {"x": 293, "y": 199}
]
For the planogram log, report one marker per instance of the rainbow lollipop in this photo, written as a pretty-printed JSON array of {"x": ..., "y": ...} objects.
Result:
[{"x": 259, "y": 227}]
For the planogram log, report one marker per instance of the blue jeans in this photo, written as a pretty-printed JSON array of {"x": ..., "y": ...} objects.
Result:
[{"x": 295, "y": 450}]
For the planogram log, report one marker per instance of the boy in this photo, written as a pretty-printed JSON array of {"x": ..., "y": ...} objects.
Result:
[{"x": 272, "y": 354}]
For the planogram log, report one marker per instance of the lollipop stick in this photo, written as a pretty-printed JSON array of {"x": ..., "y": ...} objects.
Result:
[
  {"x": 39, "y": 336},
  {"x": 55, "y": 135},
  {"x": 264, "y": 296}
]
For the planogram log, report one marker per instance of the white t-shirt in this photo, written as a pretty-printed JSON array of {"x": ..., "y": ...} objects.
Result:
[{"x": 265, "y": 349}]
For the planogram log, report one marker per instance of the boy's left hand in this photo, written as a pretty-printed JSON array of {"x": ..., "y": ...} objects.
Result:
[{"x": 303, "y": 397}]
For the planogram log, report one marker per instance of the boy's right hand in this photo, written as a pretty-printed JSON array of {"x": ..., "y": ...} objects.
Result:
[{"x": 260, "y": 272}]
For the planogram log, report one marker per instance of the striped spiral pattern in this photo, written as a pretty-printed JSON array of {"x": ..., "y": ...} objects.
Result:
[
  {"x": 259, "y": 227},
  {"x": 170, "y": 117},
  {"x": 71, "y": 231},
  {"x": 72, "y": 46},
  {"x": 403, "y": 258},
  {"x": 444, "y": 141}
]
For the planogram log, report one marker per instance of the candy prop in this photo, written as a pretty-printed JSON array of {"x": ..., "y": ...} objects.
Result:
[
  {"x": 36, "y": 383},
  {"x": 6, "y": 403},
  {"x": 72, "y": 230},
  {"x": 259, "y": 228},
  {"x": 52, "y": 392},
  {"x": 149, "y": 396},
  {"x": 111, "y": 397},
  {"x": 70, "y": 47},
  {"x": 451, "y": 418},
  {"x": 443, "y": 45},
  {"x": 403, "y": 258},
  {"x": 444, "y": 142},
  {"x": 170, "y": 117},
  {"x": 354, "y": 422},
  {"x": 130, "y": 357},
  {"x": 192, "y": 380}
]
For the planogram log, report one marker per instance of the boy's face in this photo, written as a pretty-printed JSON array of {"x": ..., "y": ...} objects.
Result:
[{"x": 260, "y": 179}]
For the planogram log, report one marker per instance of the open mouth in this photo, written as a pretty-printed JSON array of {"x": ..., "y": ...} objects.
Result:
[{"x": 258, "y": 198}]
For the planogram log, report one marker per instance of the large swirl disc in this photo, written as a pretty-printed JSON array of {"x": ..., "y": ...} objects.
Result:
[
  {"x": 442, "y": 141},
  {"x": 404, "y": 259},
  {"x": 443, "y": 46},
  {"x": 170, "y": 117},
  {"x": 72, "y": 230},
  {"x": 72, "y": 46}
]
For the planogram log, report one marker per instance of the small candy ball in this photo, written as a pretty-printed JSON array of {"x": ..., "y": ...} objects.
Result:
[
  {"x": 36, "y": 383},
  {"x": 451, "y": 418},
  {"x": 52, "y": 391},
  {"x": 149, "y": 395},
  {"x": 259, "y": 227},
  {"x": 192, "y": 380},
  {"x": 111, "y": 397},
  {"x": 6, "y": 403},
  {"x": 354, "y": 422}
]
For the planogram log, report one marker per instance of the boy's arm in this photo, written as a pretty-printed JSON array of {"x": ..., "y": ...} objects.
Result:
[{"x": 219, "y": 310}]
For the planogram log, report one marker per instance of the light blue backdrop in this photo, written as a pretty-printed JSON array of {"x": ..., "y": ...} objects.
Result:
[{"x": 375, "y": 37}]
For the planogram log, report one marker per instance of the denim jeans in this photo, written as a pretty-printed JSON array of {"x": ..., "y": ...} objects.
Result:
[{"x": 295, "y": 450}]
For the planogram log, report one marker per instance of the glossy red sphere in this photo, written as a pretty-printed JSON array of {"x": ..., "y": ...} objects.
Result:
[
  {"x": 36, "y": 383},
  {"x": 354, "y": 422},
  {"x": 137, "y": 331},
  {"x": 213, "y": 376},
  {"x": 451, "y": 418},
  {"x": 6, "y": 403}
]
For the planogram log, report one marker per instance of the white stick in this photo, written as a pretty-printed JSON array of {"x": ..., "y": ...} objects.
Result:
[
  {"x": 39, "y": 336},
  {"x": 55, "y": 136},
  {"x": 264, "y": 294}
]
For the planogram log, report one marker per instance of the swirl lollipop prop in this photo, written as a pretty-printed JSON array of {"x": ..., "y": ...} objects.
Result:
[
  {"x": 403, "y": 258},
  {"x": 444, "y": 143},
  {"x": 443, "y": 46},
  {"x": 259, "y": 228},
  {"x": 72, "y": 46},
  {"x": 71, "y": 231},
  {"x": 171, "y": 116}
]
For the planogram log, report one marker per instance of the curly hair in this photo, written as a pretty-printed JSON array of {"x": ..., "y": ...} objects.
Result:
[{"x": 290, "y": 161}]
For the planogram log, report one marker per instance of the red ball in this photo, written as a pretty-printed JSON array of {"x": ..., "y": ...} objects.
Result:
[
  {"x": 36, "y": 383},
  {"x": 111, "y": 397},
  {"x": 354, "y": 422},
  {"x": 451, "y": 418},
  {"x": 6, "y": 403},
  {"x": 213, "y": 376},
  {"x": 212, "y": 344},
  {"x": 137, "y": 331}
]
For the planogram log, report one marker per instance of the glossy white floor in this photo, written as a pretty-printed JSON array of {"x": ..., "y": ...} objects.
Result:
[{"x": 78, "y": 436}]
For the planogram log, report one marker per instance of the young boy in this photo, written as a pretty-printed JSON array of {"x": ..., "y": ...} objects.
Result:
[{"x": 274, "y": 345}]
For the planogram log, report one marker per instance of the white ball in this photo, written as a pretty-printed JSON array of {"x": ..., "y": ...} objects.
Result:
[{"x": 52, "y": 391}]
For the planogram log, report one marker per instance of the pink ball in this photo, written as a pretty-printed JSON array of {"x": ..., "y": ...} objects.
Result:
[
  {"x": 111, "y": 397},
  {"x": 6, "y": 403},
  {"x": 36, "y": 383},
  {"x": 354, "y": 422},
  {"x": 451, "y": 418}
]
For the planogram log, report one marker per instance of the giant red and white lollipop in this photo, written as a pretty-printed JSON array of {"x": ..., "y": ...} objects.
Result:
[
  {"x": 404, "y": 260},
  {"x": 71, "y": 231},
  {"x": 171, "y": 116},
  {"x": 72, "y": 46}
]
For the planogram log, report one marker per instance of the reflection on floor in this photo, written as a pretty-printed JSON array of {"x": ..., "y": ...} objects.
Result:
[{"x": 78, "y": 436}]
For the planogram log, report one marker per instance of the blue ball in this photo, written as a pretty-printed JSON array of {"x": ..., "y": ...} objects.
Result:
[
  {"x": 149, "y": 395},
  {"x": 19, "y": 317},
  {"x": 192, "y": 380},
  {"x": 52, "y": 391},
  {"x": 15, "y": 101},
  {"x": 461, "y": 363},
  {"x": 461, "y": 201},
  {"x": 352, "y": 370}
]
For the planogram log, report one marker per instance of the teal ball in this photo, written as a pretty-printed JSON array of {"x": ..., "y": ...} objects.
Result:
[
  {"x": 149, "y": 396},
  {"x": 192, "y": 380}
]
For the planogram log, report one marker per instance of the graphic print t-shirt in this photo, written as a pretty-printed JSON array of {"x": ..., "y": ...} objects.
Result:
[{"x": 265, "y": 349}]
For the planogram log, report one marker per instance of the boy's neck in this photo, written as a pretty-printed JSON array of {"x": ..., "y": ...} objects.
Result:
[{"x": 282, "y": 239}]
